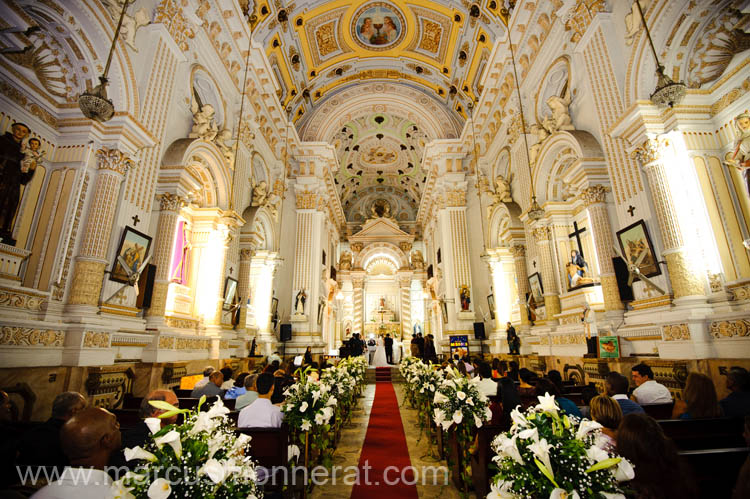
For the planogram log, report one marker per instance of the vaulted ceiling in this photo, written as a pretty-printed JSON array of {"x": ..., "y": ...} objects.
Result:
[{"x": 378, "y": 79}]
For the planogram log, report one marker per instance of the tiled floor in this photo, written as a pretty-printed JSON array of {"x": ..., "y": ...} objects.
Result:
[{"x": 353, "y": 437}]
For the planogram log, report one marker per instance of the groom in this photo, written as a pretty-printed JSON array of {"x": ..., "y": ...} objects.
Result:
[{"x": 389, "y": 348}]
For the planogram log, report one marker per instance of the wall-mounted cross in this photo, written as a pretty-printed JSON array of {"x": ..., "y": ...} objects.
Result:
[
  {"x": 630, "y": 210},
  {"x": 135, "y": 220},
  {"x": 577, "y": 234},
  {"x": 231, "y": 269},
  {"x": 534, "y": 263}
]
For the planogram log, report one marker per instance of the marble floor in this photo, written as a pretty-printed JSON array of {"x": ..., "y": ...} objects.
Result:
[{"x": 353, "y": 437}]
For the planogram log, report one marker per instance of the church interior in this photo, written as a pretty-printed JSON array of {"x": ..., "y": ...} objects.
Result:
[{"x": 559, "y": 184}]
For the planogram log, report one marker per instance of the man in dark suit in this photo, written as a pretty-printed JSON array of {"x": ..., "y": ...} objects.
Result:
[
  {"x": 420, "y": 345},
  {"x": 389, "y": 348}
]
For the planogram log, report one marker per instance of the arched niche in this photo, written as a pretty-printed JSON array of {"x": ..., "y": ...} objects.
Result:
[
  {"x": 202, "y": 171},
  {"x": 505, "y": 226},
  {"x": 374, "y": 250},
  {"x": 565, "y": 161},
  {"x": 259, "y": 231},
  {"x": 204, "y": 89}
]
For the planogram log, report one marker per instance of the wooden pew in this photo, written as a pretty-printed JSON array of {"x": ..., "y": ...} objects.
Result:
[
  {"x": 715, "y": 470},
  {"x": 710, "y": 433},
  {"x": 130, "y": 402},
  {"x": 128, "y": 418},
  {"x": 183, "y": 394},
  {"x": 482, "y": 457},
  {"x": 269, "y": 448},
  {"x": 230, "y": 403},
  {"x": 659, "y": 411}
]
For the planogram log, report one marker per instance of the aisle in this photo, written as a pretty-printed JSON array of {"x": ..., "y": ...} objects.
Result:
[{"x": 385, "y": 446}]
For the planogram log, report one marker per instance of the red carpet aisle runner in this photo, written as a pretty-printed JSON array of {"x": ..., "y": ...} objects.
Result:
[{"x": 385, "y": 445}]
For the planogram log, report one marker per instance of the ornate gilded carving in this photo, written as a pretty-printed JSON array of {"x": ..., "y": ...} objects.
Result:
[
  {"x": 518, "y": 250},
  {"x": 455, "y": 197},
  {"x": 741, "y": 292},
  {"x": 246, "y": 254},
  {"x": 87, "y": 282},
  {"x": 169, "y": 13},
  {"x": 730, "y": 97},
  {"x": 223, "y": 345},
  {"x": 611, "y": 292},
  {"x": 650, "y": 150},
  {"x": 579, "y": 17},
  {"x": 551, "y": 306},
  {"x": 541, "y": 234},
  {"x": 27, "y": 336},
  {"x": 325, "y": 36},
  {"x": 357, "y": 247},
  {"x": 568, "y": 339},
  {"x": 685, "y": 282},
  {"x": 94, "y": 339},
  {"x": 177, "y": 322},
  {"x": 18, "y": 299},
  {"x": 191, "y": 344},
  {"x": 171, "y": 202},
  {"x": 113, "y": 160},
  {"x": 166, "y": 342},
  {"x": 594, "y": 194},
  {"x": 306, "y": 200},
  {"x": 675, "y": 332},
  {"x": 405, "y": 246},
  {"x": 431, "y": 34},
  {"x": 730, "y": 329}
]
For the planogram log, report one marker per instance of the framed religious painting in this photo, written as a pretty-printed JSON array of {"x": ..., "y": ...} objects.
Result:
[
  {"x": 444, "y": 310},
  {"x": 535, "y": 284},
  {"x": 274, "y": 306},
  {"x": 636, "y": 248},
  {"x": 321, "y": 308},
  {"x": 230, "y": 292},
  {"x": 131, "y": 252},
  {"x": 491, "y": 305}
]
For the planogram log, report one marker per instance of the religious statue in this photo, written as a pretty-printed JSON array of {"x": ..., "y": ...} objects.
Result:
[
  {"x": 541, "y": 135},
  {"x": 13, "y": 174},
  {"x": 382, "y": 303},
  {"x": 560, "y": 113},
  {"x": 345, "y": 262},
  {"x": 332, "y": 288},
  {"x": 465, "y": 298},
  {"x": 299, "y": 302},
  {"x": 260, "y": 193},
  {"x": 222, "y": 142},
  {"x": 633, "y": 22},
  {"x": 576, "y": 268},
  {"x": 32, "y": 156},
  {"x": 502, "y": 189},
  {"x": 380, "y": 209},
  {"x": 417, "y": 260},
  {"x": 740, "y": 159},
  {"x": 130, "y": 24},
  {"x": 204, "y": 122}
]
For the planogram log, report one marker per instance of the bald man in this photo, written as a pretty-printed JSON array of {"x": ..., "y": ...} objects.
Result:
[{"x": 88, "y": 439}]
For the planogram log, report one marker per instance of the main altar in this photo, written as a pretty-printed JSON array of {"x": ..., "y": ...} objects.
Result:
[{"x": 382, "y": 320}]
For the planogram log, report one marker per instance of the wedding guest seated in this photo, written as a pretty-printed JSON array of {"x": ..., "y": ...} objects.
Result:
[
  {"x": 648, "y": 391},
  {"x": 699, "y": 399},
  {"x": 742, "y": 486},
  {"x": 737, "y": 403},
  {"x": 588, "y": 392},
  {"x": 617, "y": 387},
  {"x": 274, "y": 357},
  {"x": 212, "y": 388},
  {"x": 138, "y": 435},
  {"x": 487, "y": 385},
  {"x": 280, "y": 383},
  {"x": 555, "y": 377},
  {"x": 544, "y": 386},
  {"x": 206, "y": 373},
  {"x": 513, "y": 371},
  {"x": 250, "y": 395},
  {"x": 467, "y": 364},
  {"x": 526, "y": 389},
  {"x": 261, "y": 413},
  {"x": 461, "y": 367},
  {"x": 606, "y": 411},
  {"x": 88, "y": 439},
  {"x": 511, "y": 400},
  {"x": 228, "y": 383},
  {"x": 660, "y": 473},
  {"x": 499, "y": 368},
  {"x": 40, "y": 446},
  {"x": 308, "y": 358},
  {"x": 238, "y": 388}
]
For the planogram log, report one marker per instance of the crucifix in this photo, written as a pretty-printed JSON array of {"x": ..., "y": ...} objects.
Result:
[
  {"x": 631, "y": 209},
  {"x": 135, "y": 220},
  {"x": 577, "y": 234}
]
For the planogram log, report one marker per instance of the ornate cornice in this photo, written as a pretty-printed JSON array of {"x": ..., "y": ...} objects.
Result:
[
  {"x": 594, "y": 194},
  {"x": 113, "y": 160},
  {"x": 171, "y": 202},
  {"x": 518, "y": 250},
  {"x": 27, "y": 336}
]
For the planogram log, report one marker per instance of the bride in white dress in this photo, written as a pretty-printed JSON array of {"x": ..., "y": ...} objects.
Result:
[{"x": 379, "y": 359}]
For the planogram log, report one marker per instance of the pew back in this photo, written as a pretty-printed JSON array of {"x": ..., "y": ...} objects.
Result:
[{"x": 710, "y": 433}]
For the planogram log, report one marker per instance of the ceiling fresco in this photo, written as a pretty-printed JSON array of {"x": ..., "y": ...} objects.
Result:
[{"x": 378, "y": 79}]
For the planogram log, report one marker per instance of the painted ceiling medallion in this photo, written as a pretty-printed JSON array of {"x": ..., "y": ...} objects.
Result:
[{"x": 378, "y": 26}]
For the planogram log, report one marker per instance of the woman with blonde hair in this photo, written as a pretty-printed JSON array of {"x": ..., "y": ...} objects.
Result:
[
  {"x": 698, "y": 400},
  {"x": 607, "y": 412}
]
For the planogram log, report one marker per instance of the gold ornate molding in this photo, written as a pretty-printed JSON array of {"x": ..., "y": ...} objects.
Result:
[
  {"x": 180, "y": 323},
  {"x": 166, "y": 342},
  {"x": 730, "y": 97},
  {"x": 650, "y": 151},
  {"x": 675, "y": 332},
  {"x": 18, "y": 299},
  {"x": 246, "y": 254},
  {"x": 306, "y": 200},
  {"x": 94, "y": 339},
  {"x": 357, "y": 247},
  {"x": 581, "y": 16},
  {"x": 191, "y": 344},
  {"x": 684, "y": 281},
  {"x": 113, "y": 160},
  {"x": 87, "y": 282},
  {"x": 730, "y": 329},
  {"x": 169, "y": 13},
  {"x": 455, "y": 198},
  {"x": 594, "y": 194},
  {"x": 541, "y": 234},
  {"x": 518, "y": 250},
  {"x": 27, "y": 336},
  {"x": 171, "y": 202},
  {"x": 405, "y": 246}
]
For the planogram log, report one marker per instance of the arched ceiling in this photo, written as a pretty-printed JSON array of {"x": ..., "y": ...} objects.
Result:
[{"x": 378, "y": 79}]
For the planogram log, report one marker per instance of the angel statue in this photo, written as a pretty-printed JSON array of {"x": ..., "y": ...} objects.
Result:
[
  {"x": 502, "y": 189},
  {"x": 130, "y": 24},
  {"x": 560, "y": 112},
  {"x": 204, "y": 122},
  {"x": 260, "y": 193},
  {"x": 541, "y": 135},
  {"x": 222, "y": 142},
  {"x": 740, "y": 158}
]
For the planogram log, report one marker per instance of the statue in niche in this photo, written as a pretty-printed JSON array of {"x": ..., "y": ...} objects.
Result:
[
  {"x": 541, "y": 135},
  {"x": 502, "y": 189},
  {"x": 566, "y": 191},
  {"x": 740, "y": 159},
  {"x": 576, "y": 269},
  {"x": 345, "y": 262},
  {"x": 417, "y": 260},
  {"x": 633, "y": 22},
  {"x": 130, "y": 24},
  {"x": 204, "y": 122},
  {"x": 299, "y": 302},
  {"x": 465, "y": 296},
  {"x": 260, "y": 193},
  {"x": 222, "y": 142},
  {"x": 17, "y": 167},
  {"x": 560, "y": 117},
  {"x": 380, "y": 209}
]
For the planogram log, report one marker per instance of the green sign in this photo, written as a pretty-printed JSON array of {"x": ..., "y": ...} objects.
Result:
[{"x": 609, "y": 347}]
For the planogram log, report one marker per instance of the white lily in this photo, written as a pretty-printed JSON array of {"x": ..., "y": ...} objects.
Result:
[
  {"x": 458, "y": 416},
  {"x": 320, "y": 419},
  {"x": 518, "y": 418},
  {"x": 509, "y": 448},
  {"x": 173, "y": 440},
  {"x": 202, "y": 423},
  {"x": 217, "y": 409},
  {"x": 446, "y": 424},
  {"x": 477, "y": 421},
  {"x": 461, "y": 395},
  {"x": 154, "y": 424},
  {"x": 502, "y": 490},
  {"x": 118, "y": 490},
  {"x": 331, "y": 402},
  {"x": 470, "y": 401},
  {"x": 240, "y": 443},
  {"x": 586, "y": 427},
  {"x": 159, "y": 489},
  {"x": 214, "y": 470},
  {"x": 316, "y": 395},
  {"x": 439, "y": 398},
  {"x": 487, "y": 413},
  {"x": 139, "y": 453},
  {"x": 541, "y": 451},
  {"x": 531, "y": 433},
  {"x": 303, "y": 407},
  {"x": 596, "y": 454},
  {"x": 563, "y": 494},
  {"x": 306, "y": 425},
  {"x": 547, "y": 403},
  {"x": 439, "y": 416},
  {"x": 292, "y": 452},
  {"x": 624, "y": 471}
]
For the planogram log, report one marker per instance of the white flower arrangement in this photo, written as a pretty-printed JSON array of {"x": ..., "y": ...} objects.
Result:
[
  {"x": 210, "y": 458},
  {"x": 458, "y": 400},
  {"x": 547, "y": 453}
]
